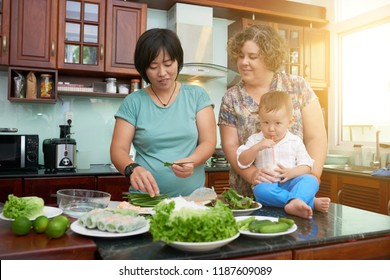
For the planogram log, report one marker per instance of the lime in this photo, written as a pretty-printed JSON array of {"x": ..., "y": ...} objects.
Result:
[
  {"x": 57, "y": 227},
  {"x": 40, "y": 224},
  {"x": 21, "y": 225},
  {"x": 63, "y": 219}
]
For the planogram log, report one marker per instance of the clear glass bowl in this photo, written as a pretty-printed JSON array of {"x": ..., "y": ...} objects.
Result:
[{"x": 77, "y": 202}]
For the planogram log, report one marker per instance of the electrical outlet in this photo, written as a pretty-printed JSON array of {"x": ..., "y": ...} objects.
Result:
[{"x": 69, "y": 116}]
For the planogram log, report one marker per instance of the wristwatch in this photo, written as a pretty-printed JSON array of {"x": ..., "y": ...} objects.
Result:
[{"x": 130, "y": 169}]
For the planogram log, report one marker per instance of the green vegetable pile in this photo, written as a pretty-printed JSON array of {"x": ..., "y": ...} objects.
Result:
[
  {"x": 236, "y": 201},
  {"x": 28, "y": 206},
  {"x": 192, "y": 225},
  {"x": 144, "y": 199}
]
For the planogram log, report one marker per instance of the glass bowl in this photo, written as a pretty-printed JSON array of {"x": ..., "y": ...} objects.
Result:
[{"x": 77, "y": 202}]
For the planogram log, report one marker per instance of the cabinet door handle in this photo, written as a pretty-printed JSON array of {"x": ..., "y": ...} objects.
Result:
[
  {"x": 388, "y": 207},
  {"x": 338, "y": 196},
  {"x": 4, "y": 43},
  {"x": 52, "y": 48},
  {"x": 101, "y": 52}
]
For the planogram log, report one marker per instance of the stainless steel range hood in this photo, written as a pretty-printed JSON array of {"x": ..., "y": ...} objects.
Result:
[{"x": 194, "y": 26}]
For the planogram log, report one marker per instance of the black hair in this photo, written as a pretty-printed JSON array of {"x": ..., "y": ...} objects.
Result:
[{"x": 149, "y": 45}]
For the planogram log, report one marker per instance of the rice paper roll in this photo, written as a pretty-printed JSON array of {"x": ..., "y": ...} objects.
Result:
[
  {"x": 124, "y": 212},
  {"x": 130, "y": 224},
  {"x": 107, "y": 223},
  {"x": 92, "y": 220},
  {"x": 83, "y": 219}
]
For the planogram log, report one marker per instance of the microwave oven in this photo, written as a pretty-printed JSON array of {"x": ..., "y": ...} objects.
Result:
[{"x": 19, "y": 152}]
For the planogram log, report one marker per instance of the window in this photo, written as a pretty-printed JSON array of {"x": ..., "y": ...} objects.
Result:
[{"x": 365, "y": 83}]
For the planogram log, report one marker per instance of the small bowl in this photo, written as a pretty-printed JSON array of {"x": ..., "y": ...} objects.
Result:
[
  {"x": 336, "y": 159},
  {"x": 77, "y": 202}
]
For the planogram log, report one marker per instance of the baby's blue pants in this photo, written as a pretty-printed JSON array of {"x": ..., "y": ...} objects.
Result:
[{"x": 278, "y": 194}]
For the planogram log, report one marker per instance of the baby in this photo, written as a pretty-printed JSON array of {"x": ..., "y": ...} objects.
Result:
[{"x": 277, "y": 149}]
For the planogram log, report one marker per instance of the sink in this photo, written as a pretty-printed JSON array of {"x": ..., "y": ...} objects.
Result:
[{"x": 351, "y": 168}]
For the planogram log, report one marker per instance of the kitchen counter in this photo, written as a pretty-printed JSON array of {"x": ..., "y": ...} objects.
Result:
[
  {"x": 343, "y": 233},
  {"x": 336, "y": 235}
]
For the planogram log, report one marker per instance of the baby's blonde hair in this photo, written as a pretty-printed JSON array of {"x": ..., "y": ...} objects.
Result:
[{"x": 276, "y": 100}]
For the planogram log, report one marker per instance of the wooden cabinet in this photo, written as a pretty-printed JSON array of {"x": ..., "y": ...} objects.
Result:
[
  {"x": 328, "y": 186},
  {"x": 293, "y": 36},
  {"x": 81, "y": 27},
  {"x": 34, "y": 33},
  {"x": 114, "y": 185},
  {"x": 316, "y": 59},
  {"x": 10, "y": 186},
  {"x": 99, "y": 35},
  {"x": 47, "y": 187},
  {"x": 364, "y": 193},
  {"x": 125, "y": 22},
  {"x": 16, "y": 96},
  {"x": 5, "y": 10},
  {"x": 219, "y": 180},
  {"x": 360, "y": 191}
]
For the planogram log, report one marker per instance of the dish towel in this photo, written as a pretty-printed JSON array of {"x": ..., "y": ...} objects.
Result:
[{"x": 381, "y": 172}]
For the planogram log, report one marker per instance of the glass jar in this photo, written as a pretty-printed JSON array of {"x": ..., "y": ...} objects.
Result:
[
  {"x": 46, "y": 86},
  {"x": 134, "y": 85},
  {"x": 111, "y": 85}
]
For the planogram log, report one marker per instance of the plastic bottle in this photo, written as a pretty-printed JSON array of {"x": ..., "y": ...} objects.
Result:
[{"x": 357, "y": 154}]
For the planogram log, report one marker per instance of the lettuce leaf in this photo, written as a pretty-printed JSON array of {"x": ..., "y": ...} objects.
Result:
[
  {"x": 28, "y": 206},
  {"x": 192, "y": 225}
]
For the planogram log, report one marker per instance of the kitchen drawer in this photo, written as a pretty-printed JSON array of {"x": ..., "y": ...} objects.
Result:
[
  {"x": 10, "y": 186},
  {"x": 47, "y": 187},
  {"x": 115, "y": 185},
  {"x": 218, "y": 180}
]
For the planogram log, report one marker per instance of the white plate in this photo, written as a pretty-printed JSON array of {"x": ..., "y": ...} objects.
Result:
[
  {"x": 77, "y": 228},
  {"x": 202, "y": 246},
  {"x": 48, "y": 211},
  {"x": 264, "y": 235},
  {"x": 249, "y": 211}
]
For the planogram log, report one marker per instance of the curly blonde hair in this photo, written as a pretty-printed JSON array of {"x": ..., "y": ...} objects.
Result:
[{"x": 272, "y": 48}]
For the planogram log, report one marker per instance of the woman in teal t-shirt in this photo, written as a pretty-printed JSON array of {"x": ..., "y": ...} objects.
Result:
[{"x": 166, "y": 122}]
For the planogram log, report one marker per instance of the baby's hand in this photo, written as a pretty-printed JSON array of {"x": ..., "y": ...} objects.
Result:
[{"x": 266, "y": 144}]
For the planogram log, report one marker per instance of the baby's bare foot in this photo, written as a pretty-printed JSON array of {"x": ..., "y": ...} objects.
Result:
[
  {"x": 322, "y": 204},
  {"x": 299, "y": 208}
]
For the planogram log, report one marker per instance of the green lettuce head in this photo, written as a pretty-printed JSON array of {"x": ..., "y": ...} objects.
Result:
[
  {"x": 192, "y": 225},
  {"x": 29, "y": 206}
]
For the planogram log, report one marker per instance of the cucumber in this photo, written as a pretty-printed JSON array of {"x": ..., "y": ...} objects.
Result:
[
  {"x": 256, "y": 225},
  {"x": 290, "y": 222},
  {"x": 274, "y": 227}
]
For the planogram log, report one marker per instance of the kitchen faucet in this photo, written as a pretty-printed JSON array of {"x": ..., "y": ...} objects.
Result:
[{"x": 376, "y": 162}]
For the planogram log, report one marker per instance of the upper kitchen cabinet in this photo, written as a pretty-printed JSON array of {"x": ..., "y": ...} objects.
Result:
[
  {"x": 5, "y": 9},
  {"x": 125, "y": 22},
  {"x": 293, "y": 36},
  {"x": 316, "y": 64},
  {"x": 99, "y": 35},
  {"x": 81, "y": 26},
  {"x": 34, "y": 33}
]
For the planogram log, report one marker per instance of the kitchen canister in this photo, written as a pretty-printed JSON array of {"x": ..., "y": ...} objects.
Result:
[
  {"x": 46, "y": 86},
  {"x": 134, "y": 85},
  {"x": 111, "y": 85}
]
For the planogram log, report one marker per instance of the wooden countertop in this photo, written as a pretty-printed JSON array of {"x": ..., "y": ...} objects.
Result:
[{"x": 36, "y": 246}]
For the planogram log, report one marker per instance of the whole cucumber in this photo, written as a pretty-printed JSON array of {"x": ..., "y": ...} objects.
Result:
[
  {"x": 256, "y": 225},
  {"x": 274, "y": 227},
  {"x": 290, "y": 222}
]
